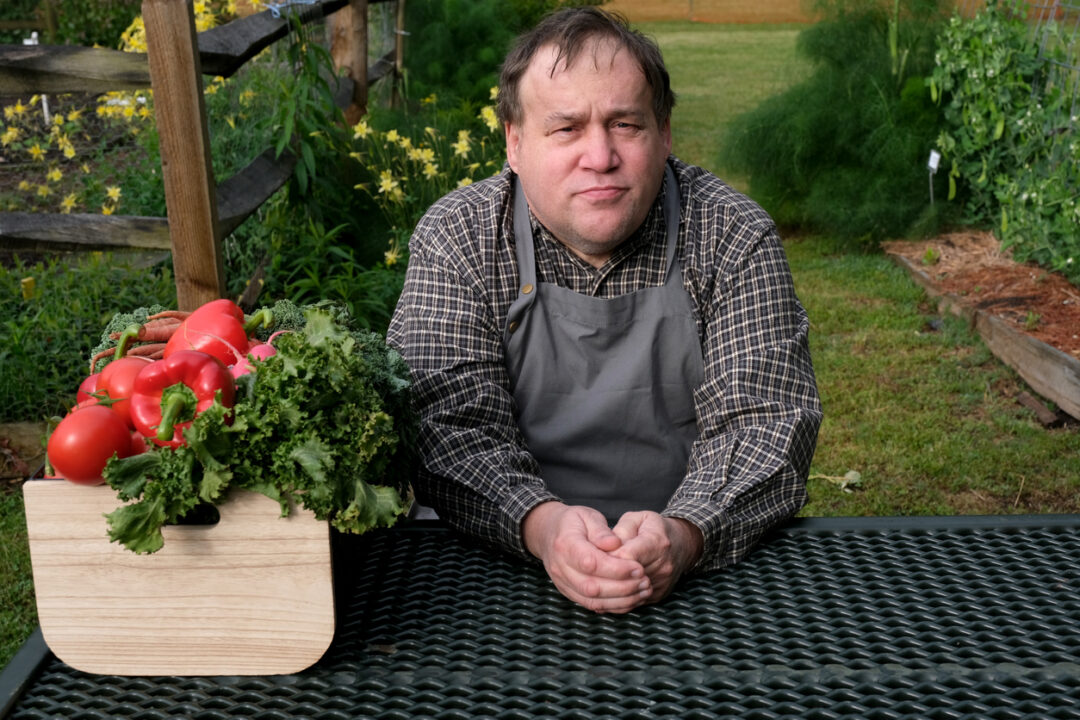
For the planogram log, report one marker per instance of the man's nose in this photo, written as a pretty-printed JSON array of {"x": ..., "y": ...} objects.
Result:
[{"x": 599, "y": 152}]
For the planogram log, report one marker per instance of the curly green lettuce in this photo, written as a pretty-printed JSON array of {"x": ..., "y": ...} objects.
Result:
[{"x": 326, "y": 423}]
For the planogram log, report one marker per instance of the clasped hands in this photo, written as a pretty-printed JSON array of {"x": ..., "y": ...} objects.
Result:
[{"x": 611, "y": 569}]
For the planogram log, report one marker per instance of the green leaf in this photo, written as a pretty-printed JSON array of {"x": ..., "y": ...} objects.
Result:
[
  {"x": 128, "y": 476},
  {"x": 138, "y": 526}
]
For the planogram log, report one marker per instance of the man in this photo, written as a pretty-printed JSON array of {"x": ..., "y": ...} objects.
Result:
[{"x": 609, "y": 359}]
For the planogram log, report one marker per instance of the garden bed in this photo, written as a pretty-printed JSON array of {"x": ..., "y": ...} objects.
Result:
[{"x": 1028, "y": 316}]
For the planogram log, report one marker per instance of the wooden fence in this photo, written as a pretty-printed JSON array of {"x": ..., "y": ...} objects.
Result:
[{"x": 201, "y": 212}]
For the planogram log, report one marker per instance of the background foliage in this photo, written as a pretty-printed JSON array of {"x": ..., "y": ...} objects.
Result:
[
  {"x": 1009, "y": 140},
  {"x": 475, "y": 33},
  {"x": 48, "y": 330},
  {"x": 844, "y": 151},
  {"x": 78, "y": 22}
]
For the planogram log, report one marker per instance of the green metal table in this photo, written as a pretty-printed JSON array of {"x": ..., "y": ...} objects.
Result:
[{"x": 958, "y": 617}]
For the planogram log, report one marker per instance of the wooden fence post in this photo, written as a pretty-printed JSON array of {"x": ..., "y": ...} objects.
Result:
[
  {"x": 190, "y": 191},
  {"x": 349, "y": 50},
  {"x": 399, "y": 54}
]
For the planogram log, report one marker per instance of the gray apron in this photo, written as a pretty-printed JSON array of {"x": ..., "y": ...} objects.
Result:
[{"x": 604, "y": 388}]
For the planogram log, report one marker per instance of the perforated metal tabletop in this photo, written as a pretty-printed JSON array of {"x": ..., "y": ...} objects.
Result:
[{"x": 844, "y": 618}]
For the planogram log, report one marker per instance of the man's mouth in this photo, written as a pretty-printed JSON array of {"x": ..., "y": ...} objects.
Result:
[{"x": 602, "y": 193}]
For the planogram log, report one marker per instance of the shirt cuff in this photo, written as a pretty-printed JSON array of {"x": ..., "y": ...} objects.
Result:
[
  {"x": 518, "y": 503},
  {"x": 711, "y": 521}
]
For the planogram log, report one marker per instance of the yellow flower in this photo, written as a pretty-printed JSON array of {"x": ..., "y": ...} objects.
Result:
[
  {"x": 231, "y": 121},
  {"x": 69, "y": 151},
  {"x": 431, "y": 170},
  {"x": 361, "y": 129},
  {"x": 9, "y": 112},
  {"x": 20, "y": 109},
  {"x": 461, "y": 147},
  {"x": 487, "y": 114},
  {"x": 387, "y": 183},
  {"x": 107, "y": 209},
  {"x": 398, "y": 195},
  {"x": 36, "y": 151},
  {"x": 357, "y": 156},
  {"x": 68, "y": 203},
  {"x": 430, "y": 99},
  {"x": 129, "y": 111},
  {"x": 464, "y": 181},
  {"x": 405, "y": 143},
  {"x": 391, "y": 256},
  {"x": 10, "y": 135},
  {"x": 495, "y": 93},
  {"x": 24, "y": 185},
  {"x": 247, "y": 96},
  {"x": 113, "y": 193},
  {"x": 85, "y": 168},
  {"x": 210, "y": 89},
  {"x": 392, "y": 136},
  {"x": 74, "y": 115},
  {"x": 432, "y": 132},
  {"x": 54, "y": 175},
  {"x": 44, "y": 191}
]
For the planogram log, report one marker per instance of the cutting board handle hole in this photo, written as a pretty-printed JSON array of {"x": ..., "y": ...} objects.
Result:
[{"x": 202, "y": 514}]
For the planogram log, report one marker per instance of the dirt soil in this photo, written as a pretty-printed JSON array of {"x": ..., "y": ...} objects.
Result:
[{"x": 972, "y": 267}]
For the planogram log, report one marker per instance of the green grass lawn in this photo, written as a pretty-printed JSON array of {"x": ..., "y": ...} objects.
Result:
[{"x": 919, "y": 408}]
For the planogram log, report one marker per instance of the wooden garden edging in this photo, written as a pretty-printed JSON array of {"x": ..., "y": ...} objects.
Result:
[
  {"x": 1050, "y": 372},
  {"x": 201, "y": 212}
]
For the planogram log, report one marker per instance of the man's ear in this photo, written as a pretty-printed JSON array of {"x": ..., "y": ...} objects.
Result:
[{"x": 513, "y": 137}]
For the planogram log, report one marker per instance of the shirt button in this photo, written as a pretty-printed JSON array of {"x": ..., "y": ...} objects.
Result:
[
  {"x": 513, "y": 325},
  {"x": 526, "y": 289}
]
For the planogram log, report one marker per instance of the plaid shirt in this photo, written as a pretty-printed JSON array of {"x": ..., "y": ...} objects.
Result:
[{"x": 758, "y": 409}]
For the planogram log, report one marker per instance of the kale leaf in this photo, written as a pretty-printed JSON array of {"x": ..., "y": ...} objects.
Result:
[{"x": 326, "y": 424}]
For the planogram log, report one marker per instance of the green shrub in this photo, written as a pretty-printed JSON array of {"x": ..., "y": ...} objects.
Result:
[
  {"x": 455, "y": 47},
  {"x": 20, "y": 11},
  {"x": 1010, "y": 142},
  {"x": 844, "y": 152},
  {"x": 48, "y": 335},
  {"x": 93, "y": 22}
]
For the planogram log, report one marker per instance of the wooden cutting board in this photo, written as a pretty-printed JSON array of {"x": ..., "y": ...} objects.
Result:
[{"x": 251, "y": 595}]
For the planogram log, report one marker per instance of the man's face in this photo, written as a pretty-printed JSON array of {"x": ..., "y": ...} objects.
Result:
[{"x": 588, "y": 149}]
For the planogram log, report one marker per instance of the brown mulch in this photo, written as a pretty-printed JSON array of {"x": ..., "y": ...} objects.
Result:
[{"x": 971, "y": 266}]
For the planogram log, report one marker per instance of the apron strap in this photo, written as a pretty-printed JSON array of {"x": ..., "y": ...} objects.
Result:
[
  {"x": 672, "y": 212},
  {"x": 526, "y": 254}
]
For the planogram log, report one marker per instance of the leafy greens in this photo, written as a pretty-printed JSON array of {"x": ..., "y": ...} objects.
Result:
[{"x": 325, "y": 423}]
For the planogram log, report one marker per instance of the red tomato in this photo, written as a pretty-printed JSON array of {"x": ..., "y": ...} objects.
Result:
[
  {"x": 84, "y": 441},
  {"x": 139, "y": 443},
  {"x": 86, "y": 387},
  {"x": 117, "y": 379}
]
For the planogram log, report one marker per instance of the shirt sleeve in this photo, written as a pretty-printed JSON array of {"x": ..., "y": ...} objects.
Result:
[
  {"x": 474, "y": 465},
  {"x": 758, "y": 407}
]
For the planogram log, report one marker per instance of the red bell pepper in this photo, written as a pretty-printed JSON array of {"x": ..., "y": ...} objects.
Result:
[
  {"x": 170, "y": 392},
  {"x": 216, "y": 328}
]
